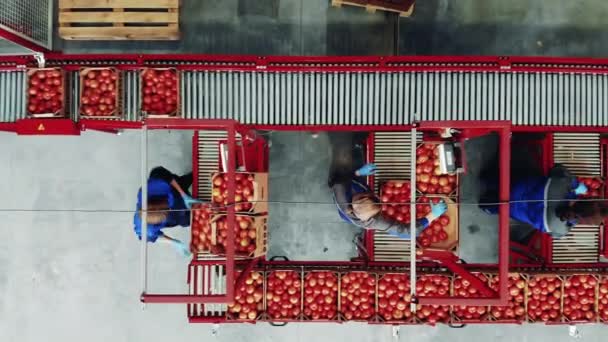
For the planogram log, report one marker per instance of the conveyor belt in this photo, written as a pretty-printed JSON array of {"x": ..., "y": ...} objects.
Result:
[
  {"x": 208, "y": 160},
  {"x": 580, "y": 245},
  {"x": 12, "y": 95},
  {"x": 367, "y": 98},
  {"x": 392, "y": 156},
  {"x": 581, "y": 154},
  {"x": 130, "y": 98},
  {"x": 394, "y": 97},
  {"x": 206, "y": 280}
]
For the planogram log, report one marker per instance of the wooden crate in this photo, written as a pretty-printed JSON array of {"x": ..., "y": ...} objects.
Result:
[
  {"x": 119, "y": 19},
  {"x": 405, "y": 8}
]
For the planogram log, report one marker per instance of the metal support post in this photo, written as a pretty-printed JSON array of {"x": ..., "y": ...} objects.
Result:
[{"x": 413, "y": 220}]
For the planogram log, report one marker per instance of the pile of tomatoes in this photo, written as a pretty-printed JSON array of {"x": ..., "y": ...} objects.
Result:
[
  {"x": 283, "y": 294},
  {"x": 320, "y": 295},
  {"x": 244, "y": 235},
  {"x": 398, "y": 192},
  {"x": 98, "y": 96},
  {"x": 357, "y": 291},
  {"x": 45, "y": 92},
  {"x": 244, "y": 192},
  {"x": 393, "y": 192},
  {"x": 159, "y": 91},
  {"x": 435, "y": 232},
  {"x": 603, "y": 299},
  {"x": 248, "y": 298},
  {"x": 516, "y": 308},
  {"x": 201, "y": 229},
  {"x": 433, "y": 286},
  {"x": 429, "y": 179},
  {"x": 594, "y": 185},
  {"x": 579, "y": 297},
  {"x": 544, "y": 295},
  {"x": 394, "y": 297},
  {"x": 463, "y": 288}
]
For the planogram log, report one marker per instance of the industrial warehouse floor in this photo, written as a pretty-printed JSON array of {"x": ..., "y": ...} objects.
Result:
[{"x": 73, "y": 274}]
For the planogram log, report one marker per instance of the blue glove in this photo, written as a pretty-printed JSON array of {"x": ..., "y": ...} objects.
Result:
[
  {"x": 581, "y": 189},
  {"x": 181, "y": 248},
  {"x": 439, "y": 208},
  {"x": 189, "y": 201},
  {"x": 366, "y": 170}
]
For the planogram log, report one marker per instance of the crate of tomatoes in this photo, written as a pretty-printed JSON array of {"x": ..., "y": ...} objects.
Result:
[
  {"x": 46, "y": 93},
  {"x": 394, "y": 298},
  {"x": 248, "y": 302},
  {"x": 580, "y": 298},
  {"x": 210, "y": 233},
  {"x": 251, "y": 191},
  {"x": 440, "y": 234},
  {"x": 160, "y": 95},
  {"x": 469, "y": 313},
  {"x": 357, "y": 297},
  {"x": 544, "y": 298},
  {"x": 433, "y": 285},
  {"x": 429, "y": 178},
  {"x": 321, "y": 295},
  {"x": 602, "y": 298},
  {"x": 515, "y": 311},
  {"x": 284, "y": 295},
  {"x": 99, "y": 89}
]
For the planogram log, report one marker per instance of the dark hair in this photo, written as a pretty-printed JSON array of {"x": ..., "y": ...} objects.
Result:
[{"x": 585, "y": 212}]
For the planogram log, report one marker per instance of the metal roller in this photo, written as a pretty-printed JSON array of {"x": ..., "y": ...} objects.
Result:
[
  {"x": 13, "y": 85},
  {"x": 580, "y": 245},
  {"x": 392, "y": 157},
  {"x": 355, "y": 98}
]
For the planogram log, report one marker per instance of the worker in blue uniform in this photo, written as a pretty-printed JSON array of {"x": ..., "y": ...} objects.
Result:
[
  {"x": 168, "y": 206},
  {"x": 549, "y": 203},
  {"x": 359, "y": 206}
]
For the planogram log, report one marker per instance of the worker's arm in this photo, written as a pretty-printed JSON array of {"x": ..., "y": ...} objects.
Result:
[
  {"x": 181, "y": 247},
  {"x": 167, "y": 176}
]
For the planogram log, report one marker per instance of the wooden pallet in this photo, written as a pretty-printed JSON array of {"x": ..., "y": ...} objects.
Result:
[
  {"x": 119, "y": 19},
  {"x": 405, "y": 8}
]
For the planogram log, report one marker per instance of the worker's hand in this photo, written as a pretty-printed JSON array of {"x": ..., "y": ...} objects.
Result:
[
  {"x": 439, "y": 208},
  {"x": 581, "y": 189},
  {"x": 366, "y": 170},
  {"x": 189, "y": 201},
  {"x": 181, "y": 248}
]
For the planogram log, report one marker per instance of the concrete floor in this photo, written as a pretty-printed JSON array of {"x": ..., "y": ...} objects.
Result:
[
  {"x": 74, "y": 275},
  {"x": 313, "y": 27},
  {"x": 310, "y": 228}
]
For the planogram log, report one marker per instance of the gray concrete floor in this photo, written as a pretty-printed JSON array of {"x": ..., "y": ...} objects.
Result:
[
  {"x": 437, "y": 27},
  {"x": 303, "y": 222},
  {"x": 74, "y": 275}
]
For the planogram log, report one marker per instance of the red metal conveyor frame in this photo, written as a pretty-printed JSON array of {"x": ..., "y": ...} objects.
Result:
[{"x": 230, "y": 127}]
